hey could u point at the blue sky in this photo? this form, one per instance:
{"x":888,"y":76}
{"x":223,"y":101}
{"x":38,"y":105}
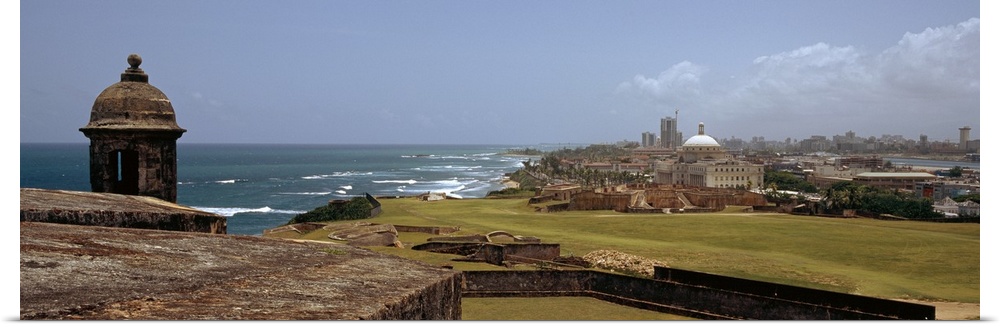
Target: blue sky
{"x":509,"y":72}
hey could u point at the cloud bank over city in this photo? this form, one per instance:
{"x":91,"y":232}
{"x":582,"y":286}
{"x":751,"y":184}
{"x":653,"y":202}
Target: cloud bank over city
{"x":261,"y":71}
{"x":926,"y":78}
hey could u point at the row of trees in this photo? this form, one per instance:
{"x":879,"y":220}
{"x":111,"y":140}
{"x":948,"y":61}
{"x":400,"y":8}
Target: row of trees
{"x":783,"y":180}
{"x":551,"y":166}
{"x":849,"y":195}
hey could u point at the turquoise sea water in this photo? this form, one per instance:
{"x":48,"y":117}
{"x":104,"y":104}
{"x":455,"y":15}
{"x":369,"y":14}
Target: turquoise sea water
{"x":263,"y":186}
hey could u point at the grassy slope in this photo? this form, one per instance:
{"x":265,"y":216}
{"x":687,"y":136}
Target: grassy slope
{"x":886,"y":259}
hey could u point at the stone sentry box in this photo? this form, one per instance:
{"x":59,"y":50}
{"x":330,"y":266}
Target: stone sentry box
{"x":133,"y":136}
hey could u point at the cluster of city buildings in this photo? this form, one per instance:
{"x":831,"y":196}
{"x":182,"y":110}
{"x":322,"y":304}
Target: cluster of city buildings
{"x":849,"y":143}
{"x":704,"y":161}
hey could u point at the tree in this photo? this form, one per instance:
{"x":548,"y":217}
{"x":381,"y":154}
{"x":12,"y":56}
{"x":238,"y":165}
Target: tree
{"x":955,"y":172}
{"x":356,"y":208}
{"x":787,"y":181}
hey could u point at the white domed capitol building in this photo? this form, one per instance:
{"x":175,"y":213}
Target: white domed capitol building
{"x":701,"y":161}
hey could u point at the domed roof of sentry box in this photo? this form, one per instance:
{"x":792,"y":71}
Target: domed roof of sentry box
{"x":132,"y":104}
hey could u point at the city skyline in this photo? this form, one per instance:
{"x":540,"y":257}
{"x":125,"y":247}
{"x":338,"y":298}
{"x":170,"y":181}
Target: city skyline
{"x":956,"y":138}
{"x":443,"y":72}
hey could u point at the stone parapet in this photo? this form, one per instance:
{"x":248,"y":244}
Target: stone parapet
{"x":71,"y":272}
{"x":115,"y":210}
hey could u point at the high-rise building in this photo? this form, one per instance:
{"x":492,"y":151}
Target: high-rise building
{"x":648,"y":139}
{"x":963,"y":137}
{"x":668,"y":132}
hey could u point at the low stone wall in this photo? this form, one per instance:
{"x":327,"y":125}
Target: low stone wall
{"x":436,"y":230}
{"x":588,"y":200}
{"x":698,"y":301}
{"x":663,"y":198}
{"x":449,"y":247}
{"x":541,"y":198}
{"x":441,"y":300}
{"x":300,"y":228}
{"x":496,"y":254}
{"x":557,"y":207}
{"x":115,"y":210}
{"x":464,"y":239}
{"x":523,"y":252}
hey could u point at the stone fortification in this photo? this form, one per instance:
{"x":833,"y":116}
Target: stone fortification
{"x":692,"y":300}
{"x":87,"y":272}
{"x":588,"y":200}
{"x":115,"y":210}
{"x":665,"y":197}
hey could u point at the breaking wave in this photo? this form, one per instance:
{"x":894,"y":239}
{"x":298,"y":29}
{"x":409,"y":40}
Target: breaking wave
{"x":338,"y":174}
{"x":409,"y":181}
{"x":305,"y":193}
{"x":229,"y":212}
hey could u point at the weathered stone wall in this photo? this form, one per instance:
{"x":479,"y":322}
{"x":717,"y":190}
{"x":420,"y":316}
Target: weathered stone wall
{"x":300,"y":228}
{"x":463,"y":238}
{"x":157,"y":163}
{"x":449,"y":247}
{"x":663,"y":198}
{"x":541,"y":198}
{"x":720,"y":199}
{"x":436,"y":230}
{"x":678,"y":298}
{"x":438,"y":301}
{"x":115,"y":210}
{"x":70,"y":272}
{"x":708,"y":200}
{"x":497,"y":254}
{"x":588,"y":200}
{"x":762,"y":291}
{"x":666,"y":197}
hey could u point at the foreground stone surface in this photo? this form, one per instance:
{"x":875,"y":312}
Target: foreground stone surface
{"x":87,"y":272}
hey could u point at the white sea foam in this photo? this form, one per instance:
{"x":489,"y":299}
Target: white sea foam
{"x":229,"y":212}
{"x":341,"y":192}
{"x":484,"y":154}
{"x":305,"y":193}
{"x":338,"y":174}
{"x":409,"y":181}
{"x":230,"y":181}
{"x":347,"y":187}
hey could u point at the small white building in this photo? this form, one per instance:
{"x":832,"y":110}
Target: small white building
{"x":968,"y":208}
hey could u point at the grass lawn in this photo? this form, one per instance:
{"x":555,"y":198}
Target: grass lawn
{"x":885,"y":259}
{"x":554,"y":308}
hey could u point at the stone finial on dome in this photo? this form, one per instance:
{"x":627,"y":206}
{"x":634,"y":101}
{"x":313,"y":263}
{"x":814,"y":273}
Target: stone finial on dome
{"x":134,"y":73}
{"x":701,"y":128}
{"x":134,"y":60}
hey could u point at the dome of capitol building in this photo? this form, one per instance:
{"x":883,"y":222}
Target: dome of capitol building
{"x":701,"y":139}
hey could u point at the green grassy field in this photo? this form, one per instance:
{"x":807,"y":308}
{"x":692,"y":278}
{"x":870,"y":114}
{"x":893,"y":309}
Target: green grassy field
{"x":886,"y":259}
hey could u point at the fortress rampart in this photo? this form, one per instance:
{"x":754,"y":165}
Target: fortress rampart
{"x":693,"y":294}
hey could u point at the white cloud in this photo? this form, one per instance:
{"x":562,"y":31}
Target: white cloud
{"x":936,"y":62}
{"x":681,"y":80}
{"x":924,"y":75}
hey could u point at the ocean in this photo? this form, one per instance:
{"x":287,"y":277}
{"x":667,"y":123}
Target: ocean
{"x":263,"y":186}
